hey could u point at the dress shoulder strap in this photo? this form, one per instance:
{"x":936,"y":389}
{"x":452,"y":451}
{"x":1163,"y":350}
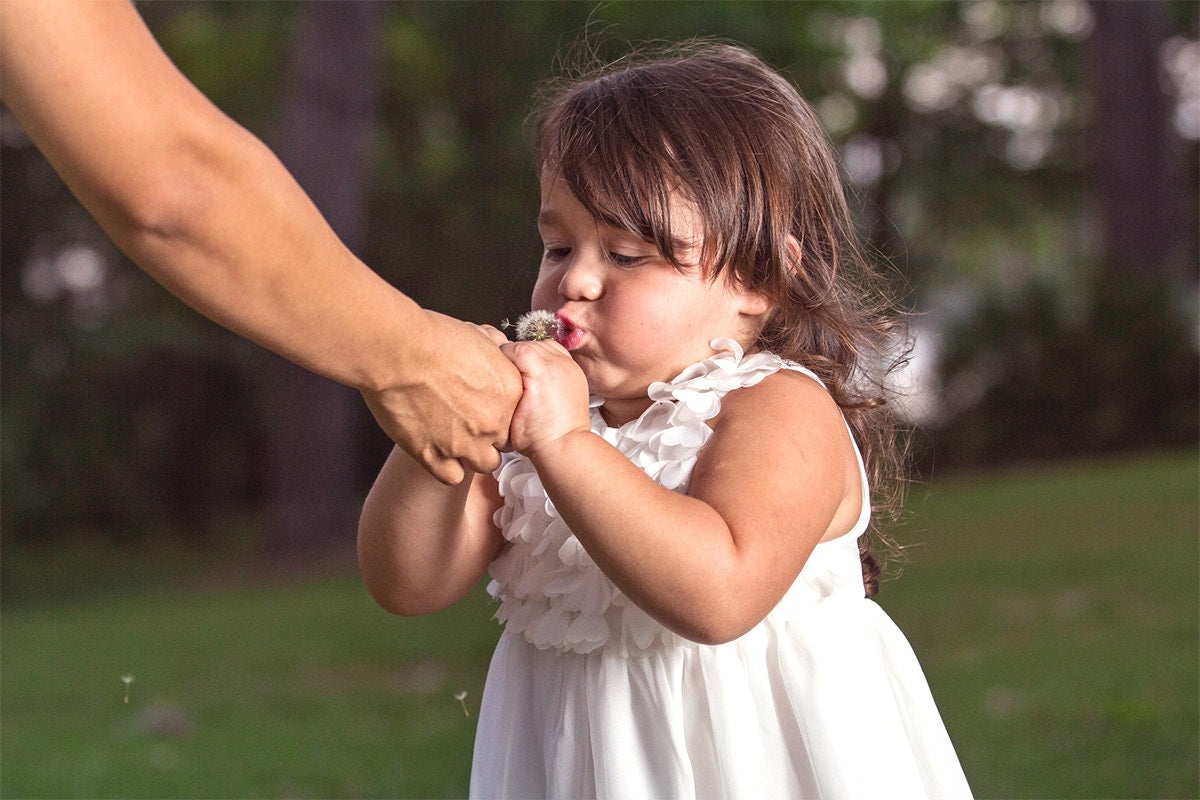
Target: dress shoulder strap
{"x":864,"y":516}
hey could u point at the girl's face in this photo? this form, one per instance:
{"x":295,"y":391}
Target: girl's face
{"x":629,"y":317}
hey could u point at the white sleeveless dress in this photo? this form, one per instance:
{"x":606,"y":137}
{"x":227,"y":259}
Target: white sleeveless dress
{"x":588,"y":696}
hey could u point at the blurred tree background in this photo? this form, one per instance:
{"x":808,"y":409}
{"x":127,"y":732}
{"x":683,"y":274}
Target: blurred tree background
{"x":1030,"y":170}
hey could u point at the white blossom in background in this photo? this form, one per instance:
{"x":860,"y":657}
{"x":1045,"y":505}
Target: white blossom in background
{"x":952,"y":73}
{"x":985,"y":19}
{"x":863,"y":69}
{"x":1180,"y":59}
{"x":866,"y":159}
{"x":916,"y":384}
{"x":1071,"y":19}
{"x":837,"y":112}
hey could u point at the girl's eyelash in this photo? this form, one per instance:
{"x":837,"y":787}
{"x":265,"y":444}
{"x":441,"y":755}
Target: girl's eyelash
{"x":620,"y":259}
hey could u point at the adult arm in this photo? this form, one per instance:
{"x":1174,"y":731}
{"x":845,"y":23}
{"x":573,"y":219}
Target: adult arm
{"x":207,"y":210}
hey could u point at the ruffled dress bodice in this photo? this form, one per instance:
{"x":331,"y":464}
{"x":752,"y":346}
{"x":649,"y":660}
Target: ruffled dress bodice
{"x":588,"y":696}
{"x":549,"y":588}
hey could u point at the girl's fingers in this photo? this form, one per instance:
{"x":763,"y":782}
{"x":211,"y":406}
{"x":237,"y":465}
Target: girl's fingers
{"x":529,"y":356}
{"x":496,"y":335}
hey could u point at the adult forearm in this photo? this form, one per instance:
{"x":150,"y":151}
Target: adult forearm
{"x":257,"y":257}
{"x":194,"y":199}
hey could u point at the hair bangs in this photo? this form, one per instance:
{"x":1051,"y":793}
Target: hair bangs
{"x":605,"y":142}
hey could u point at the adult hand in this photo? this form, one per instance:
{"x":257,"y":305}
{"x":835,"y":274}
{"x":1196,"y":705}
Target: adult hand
{"x":452,"y":410}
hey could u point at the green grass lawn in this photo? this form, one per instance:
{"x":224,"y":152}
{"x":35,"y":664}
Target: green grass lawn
{"x":1056,"y":612}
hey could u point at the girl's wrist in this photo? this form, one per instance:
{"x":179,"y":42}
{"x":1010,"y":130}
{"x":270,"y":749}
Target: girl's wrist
{"x":564,"y":448}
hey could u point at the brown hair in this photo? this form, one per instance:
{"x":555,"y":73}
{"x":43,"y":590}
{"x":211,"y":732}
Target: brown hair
{"x":713,"y":122}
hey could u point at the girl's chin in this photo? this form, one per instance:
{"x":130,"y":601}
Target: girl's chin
{"x":602,"y":382}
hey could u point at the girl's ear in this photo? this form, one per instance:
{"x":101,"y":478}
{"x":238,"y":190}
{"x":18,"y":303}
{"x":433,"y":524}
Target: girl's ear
{"x":755,"y":303}
{"x":756,"y":311}
{"x":793,"y":248}
{"x":758,"y":304}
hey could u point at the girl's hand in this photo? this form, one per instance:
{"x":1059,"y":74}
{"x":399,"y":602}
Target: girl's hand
{"x":555,"y":398}
{"x":491,"y":331}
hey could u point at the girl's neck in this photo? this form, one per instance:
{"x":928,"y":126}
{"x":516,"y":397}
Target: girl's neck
{"x":618,"y":412}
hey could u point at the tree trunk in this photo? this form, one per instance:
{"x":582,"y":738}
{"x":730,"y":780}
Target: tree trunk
{"x":1135,"y":170}
{"x":324,"y":135}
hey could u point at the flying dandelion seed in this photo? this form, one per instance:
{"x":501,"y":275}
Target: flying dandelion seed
{"x":461,"y":697}
{"x":127,"y":680}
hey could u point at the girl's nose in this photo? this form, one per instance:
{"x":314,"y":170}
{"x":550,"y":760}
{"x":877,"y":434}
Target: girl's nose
{"x":580,"y":280}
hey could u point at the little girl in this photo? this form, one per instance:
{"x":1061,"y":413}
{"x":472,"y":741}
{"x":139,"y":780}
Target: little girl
{"x":677,"y":542}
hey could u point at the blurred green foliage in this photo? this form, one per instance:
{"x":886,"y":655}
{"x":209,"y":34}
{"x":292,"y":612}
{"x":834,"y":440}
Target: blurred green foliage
{"x":1042,"y":373}
{"x":966,"y":133}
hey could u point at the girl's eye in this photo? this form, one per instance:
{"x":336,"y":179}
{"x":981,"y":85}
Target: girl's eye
{"x":557,"y":253}
{"x":622,"y":260}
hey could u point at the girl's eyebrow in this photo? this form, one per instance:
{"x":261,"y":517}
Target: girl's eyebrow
{"x":549,"y":218}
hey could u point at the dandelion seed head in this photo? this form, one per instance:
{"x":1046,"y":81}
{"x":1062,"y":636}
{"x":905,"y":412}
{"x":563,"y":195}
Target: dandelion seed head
{"x":535,"y":326}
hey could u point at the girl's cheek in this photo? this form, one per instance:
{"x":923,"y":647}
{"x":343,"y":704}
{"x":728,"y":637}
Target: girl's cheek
{"x":545,"y":294}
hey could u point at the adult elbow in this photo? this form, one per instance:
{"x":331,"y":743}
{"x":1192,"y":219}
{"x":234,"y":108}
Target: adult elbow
{"x":183,"y":189}
{"x":167,"y":211}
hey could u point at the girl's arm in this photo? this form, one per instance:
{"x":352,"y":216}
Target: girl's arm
{"x":208,"y":211}
{"x":422,"y":545}
{"x":778,"y":476}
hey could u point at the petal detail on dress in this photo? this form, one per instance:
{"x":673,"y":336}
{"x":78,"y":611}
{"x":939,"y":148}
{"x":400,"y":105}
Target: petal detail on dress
{"x":549,"y":587}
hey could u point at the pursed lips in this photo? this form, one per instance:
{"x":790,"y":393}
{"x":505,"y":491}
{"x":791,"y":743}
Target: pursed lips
{"x":569,"y":335}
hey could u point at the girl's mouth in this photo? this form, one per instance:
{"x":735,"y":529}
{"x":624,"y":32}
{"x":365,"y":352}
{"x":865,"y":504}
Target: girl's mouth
{"x":569,"y":336}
